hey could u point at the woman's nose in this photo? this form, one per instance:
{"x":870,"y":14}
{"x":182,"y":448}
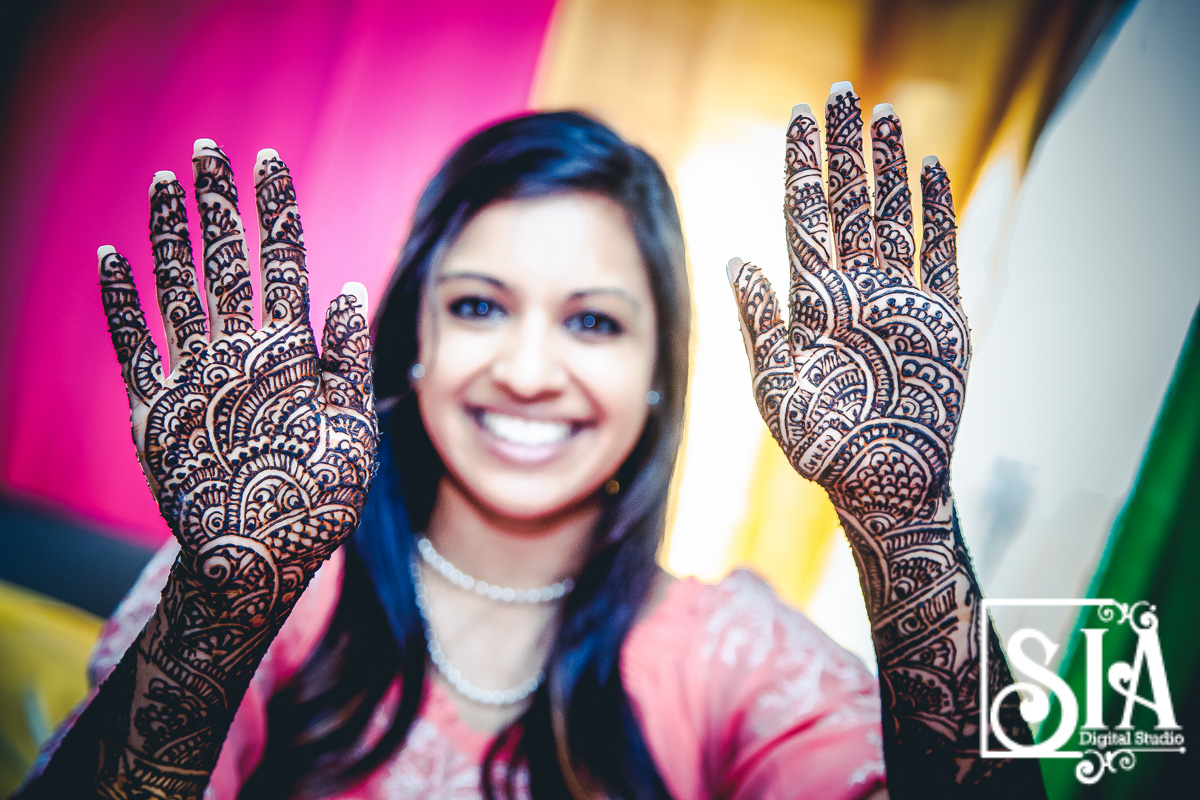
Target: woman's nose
{"x":528,"y":363}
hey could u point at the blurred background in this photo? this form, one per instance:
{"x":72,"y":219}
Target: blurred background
{"x":1067,"y":127}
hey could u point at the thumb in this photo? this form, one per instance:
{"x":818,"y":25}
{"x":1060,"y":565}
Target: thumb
{"x":346,"y":352}
{"x":771,"y":367}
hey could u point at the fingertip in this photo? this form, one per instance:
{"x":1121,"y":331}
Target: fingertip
{"x":163,"y":176}
{"x":929,"y":162}
{"x":882,"y":110}
{"x":268,"y":164}
{"x":840,"y":88}
{"x":734,"y":268}
{"x":359,"y":293}
{"x":801,"y":109}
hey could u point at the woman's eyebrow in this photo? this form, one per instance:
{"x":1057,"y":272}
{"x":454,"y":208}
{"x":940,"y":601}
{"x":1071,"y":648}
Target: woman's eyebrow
{"x":473,"y":276}
{"x":629,"y":298}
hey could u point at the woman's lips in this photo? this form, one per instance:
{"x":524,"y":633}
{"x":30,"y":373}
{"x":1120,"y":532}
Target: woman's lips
{"x":523,"y":440}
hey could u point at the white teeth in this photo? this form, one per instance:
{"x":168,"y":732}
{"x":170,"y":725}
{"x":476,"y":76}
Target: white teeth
{"x":525,"y":431}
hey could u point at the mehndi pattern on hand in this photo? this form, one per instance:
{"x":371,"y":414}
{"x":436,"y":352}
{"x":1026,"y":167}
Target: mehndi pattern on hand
{"x":260,"y":454}
{"x":863,"y":389}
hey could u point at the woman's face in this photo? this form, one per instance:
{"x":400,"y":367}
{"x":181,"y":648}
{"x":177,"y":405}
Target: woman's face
{"x":537,"y":338}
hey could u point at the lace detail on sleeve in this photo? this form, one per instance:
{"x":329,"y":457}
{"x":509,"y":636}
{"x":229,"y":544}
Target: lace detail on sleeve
{"x":794,"y":708}
{"x":430,"y":766}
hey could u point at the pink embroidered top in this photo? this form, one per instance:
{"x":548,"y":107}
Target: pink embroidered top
{"x":739,"y":697}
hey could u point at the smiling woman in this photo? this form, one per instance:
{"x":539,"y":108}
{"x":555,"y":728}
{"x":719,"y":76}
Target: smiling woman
{"x":530,"y":365}
{"x":537,"y":345}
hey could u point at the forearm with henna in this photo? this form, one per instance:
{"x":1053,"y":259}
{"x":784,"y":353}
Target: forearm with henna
{"x":177,"y":690}
{"x":157,"y":725}
{"x":863,"y":389}
{"x":927,"y":623}
{"x":260,"y":454}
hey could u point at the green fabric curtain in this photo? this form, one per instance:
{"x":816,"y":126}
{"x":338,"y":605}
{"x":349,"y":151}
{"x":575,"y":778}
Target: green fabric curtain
{"x":1153,"y":554}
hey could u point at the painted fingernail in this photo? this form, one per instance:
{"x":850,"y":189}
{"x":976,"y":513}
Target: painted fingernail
{"x":161,"y":177}
{"x":841,"y":87}
{"x":801,"y":108}
{"x":733,"y":268}
{"x":929,"y":161}
{"x":203,"y":144}
{"x":359,"y":293}
{"x":102,"y":252}
{"x":882,"y":110}
{"x":267,"y":154}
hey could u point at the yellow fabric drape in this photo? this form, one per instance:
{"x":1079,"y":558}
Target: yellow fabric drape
{"x":970,"y":80}
{"x":44,"y":647}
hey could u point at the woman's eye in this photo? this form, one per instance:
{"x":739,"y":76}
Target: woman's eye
{"x":591,"y":323}
{"x":475,"y":308}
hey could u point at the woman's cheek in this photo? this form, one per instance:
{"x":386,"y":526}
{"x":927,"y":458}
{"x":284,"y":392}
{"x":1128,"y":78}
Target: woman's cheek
{"x":617,"y":376}
{"x":460,"y":353}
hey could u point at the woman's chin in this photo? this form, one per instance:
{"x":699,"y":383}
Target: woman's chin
{"x":530,"y":501}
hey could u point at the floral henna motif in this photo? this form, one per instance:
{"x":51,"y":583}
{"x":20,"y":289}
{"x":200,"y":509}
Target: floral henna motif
{"x":226,"y":275}
{"x":893,"y":200}
{"x":285,"y":279}
{"x":939,"y":249}
{"x":863,"y":390}
{"x":174,"y":274}
{"x":260,"y":454}
{"x":141,"y":367}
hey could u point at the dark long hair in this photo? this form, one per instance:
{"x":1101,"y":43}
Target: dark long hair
{"x":579,"y":734}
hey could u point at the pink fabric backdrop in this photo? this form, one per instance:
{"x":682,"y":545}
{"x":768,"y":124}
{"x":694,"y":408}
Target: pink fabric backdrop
{"x":362,"y":99}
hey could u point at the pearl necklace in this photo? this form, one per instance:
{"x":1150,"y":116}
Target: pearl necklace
{"x":501,"y":594}
{"x":487,"y":697}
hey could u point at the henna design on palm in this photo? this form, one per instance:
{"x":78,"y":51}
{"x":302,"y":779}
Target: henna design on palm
{"x":259,"y":452}
{"x":863,"y":390}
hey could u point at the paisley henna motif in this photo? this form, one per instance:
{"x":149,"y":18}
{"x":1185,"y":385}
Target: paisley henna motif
{"x":260,"y":454}
{"x":863,"y":390}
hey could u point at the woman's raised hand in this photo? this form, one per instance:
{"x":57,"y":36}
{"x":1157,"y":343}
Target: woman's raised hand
{"x":259,"y":451}
{"x":863,"y":386}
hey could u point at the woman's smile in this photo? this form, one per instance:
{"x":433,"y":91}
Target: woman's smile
{"x":523,"y":440}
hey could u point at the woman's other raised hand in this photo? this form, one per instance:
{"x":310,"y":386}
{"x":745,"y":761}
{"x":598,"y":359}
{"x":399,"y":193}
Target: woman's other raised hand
{"x":258,"y":451}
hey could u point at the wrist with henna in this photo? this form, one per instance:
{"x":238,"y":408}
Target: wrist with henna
{"x":925,"y":609}
{"x":186,"y":673}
